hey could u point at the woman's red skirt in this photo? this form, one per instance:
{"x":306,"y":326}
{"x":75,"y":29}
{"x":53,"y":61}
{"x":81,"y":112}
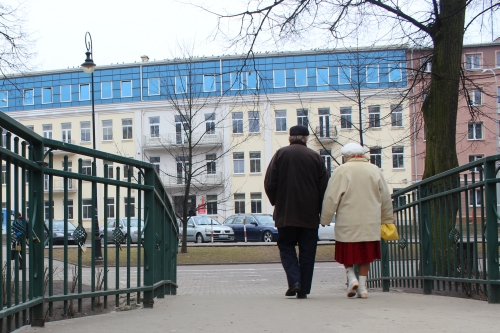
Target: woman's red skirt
{"x":357,"y":253}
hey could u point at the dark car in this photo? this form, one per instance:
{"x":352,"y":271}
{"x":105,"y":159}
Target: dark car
{"x":58,"y":231}
{"x":259,"y":227}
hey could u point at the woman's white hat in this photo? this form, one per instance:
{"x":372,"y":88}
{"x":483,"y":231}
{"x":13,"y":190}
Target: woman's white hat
{"x":352,"y":148}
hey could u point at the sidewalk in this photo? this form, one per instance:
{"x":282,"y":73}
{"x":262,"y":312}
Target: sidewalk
{"x":250,"y":298}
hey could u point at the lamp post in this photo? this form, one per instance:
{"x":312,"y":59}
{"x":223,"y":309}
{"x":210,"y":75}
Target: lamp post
{"x":88,"y":67}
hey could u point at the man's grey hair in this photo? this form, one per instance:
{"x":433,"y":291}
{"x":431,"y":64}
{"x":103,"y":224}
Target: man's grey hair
{"x":293,"y":138}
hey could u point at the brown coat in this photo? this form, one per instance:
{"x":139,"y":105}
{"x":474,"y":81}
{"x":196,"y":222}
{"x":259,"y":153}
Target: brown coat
{"x":295,"y":183}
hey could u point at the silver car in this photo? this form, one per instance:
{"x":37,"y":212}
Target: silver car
{"x":202,"y":228}
{"x":134,"y":224}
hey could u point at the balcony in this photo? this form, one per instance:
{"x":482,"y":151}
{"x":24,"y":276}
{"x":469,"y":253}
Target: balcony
{"x":326,"y":133}
{"x":58,"y":185}
{"x":171,"y":140}
{"x":199,"y":181}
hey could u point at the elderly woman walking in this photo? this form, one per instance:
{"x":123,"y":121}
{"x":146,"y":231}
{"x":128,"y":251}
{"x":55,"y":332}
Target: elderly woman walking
{"x":359,"y":195}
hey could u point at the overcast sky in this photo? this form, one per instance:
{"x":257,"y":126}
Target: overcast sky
{"x":123,"y":30}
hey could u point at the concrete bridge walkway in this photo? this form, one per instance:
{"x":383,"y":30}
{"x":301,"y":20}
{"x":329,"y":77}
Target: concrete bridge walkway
{"x":250,"y":298}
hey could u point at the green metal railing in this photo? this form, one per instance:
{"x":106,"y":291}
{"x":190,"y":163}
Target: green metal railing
{"x":448,"y":227}
{"x":37,"y":274}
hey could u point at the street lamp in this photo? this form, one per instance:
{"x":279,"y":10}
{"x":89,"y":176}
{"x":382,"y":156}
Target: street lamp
{"x":88,"y":67}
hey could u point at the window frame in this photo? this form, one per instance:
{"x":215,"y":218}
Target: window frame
{"x":110,"y":204}
{"x":238,"y":122}
{"x":157,"y":86}
{"x":211,"y":164}
{"x":105,"y":130}
{"x":473,"y":125}
{"x":471,"y":65}
{"x":61,"y":94}
{"x":368,"y":75}
{"x":6,"y":98}
{"x":473,"y":158}
{"x":255,"y":162}
{"x":233,"y":82}
{"x":473,"y":97}
{"x":295,"y":77}
{"x":85,"y":128}
{"x":254,"y":122}
{"x":129,"y":201}
{"x":128,"y":128}
{"x":398,"y":157}
{"x":214,"y":76}
{"x":110,"y":90}
{"x":393,"y":69}
{"x":80,"y":86}
{"x":375,"y":120}
{"x":154,"y":125}
{"x":256,"y":202}
{"x":87,"y":167}
{"x":32,"y":96}
{"x":239,"y":160}
{"x":257,"y":81}
{"x":48,"y":132}
{"x":66,"y":132}
{"x":341,"y":72}
{"x":346,"y":118}
{"x":178,"y":81}
{"x":376,"y":156}
{"x":239,"y":203}
{"x":44,"y":89}
{"x":122,"y":90}
{"x":211,"y":204}
{"x":275,"y":71}
{"x":210,"y":121}
{"x":303,"y":119}
{"x":397,"y":116}
{"x":276,"y":117}
{"x":327,"y":76}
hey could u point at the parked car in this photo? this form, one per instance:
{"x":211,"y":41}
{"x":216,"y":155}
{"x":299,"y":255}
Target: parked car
{"x":134,"y":229}
{"x":260,"y":227}
{"x":327,"y":232}
{"x":58,"y":231}
{"x":201,"y":228}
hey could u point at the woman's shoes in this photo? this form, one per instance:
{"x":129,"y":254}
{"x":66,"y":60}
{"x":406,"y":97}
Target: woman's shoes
{"x":362,"y":292}
{"x":352,"y":287}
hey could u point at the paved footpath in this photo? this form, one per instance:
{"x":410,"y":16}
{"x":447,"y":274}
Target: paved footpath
{"x":250,"y":298}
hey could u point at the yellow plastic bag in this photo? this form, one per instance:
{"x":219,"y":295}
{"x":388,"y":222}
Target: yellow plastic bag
{"x":389,"y":232}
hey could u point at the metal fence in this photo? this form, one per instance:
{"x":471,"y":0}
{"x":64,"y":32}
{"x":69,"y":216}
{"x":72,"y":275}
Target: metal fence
{"x":448,"y":227}
{"x":41,"y":280}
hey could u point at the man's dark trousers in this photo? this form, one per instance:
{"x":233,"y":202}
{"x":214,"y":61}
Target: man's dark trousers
{"x":298,"y":269}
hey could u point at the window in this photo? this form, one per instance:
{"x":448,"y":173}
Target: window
{"x":302,"y":117}
{"x":181,"y":129}
{"x":498,"y":59}
{"x":255,"y":162}
{"x":473,"y":158}
{"x":475,"y":131}
{"x":476,"y":199}
{"x":106,"y":90}
{"x":212,"y":204}
{"x":396,"y":115}
{"x":237,"y":122}
{"x":473,"y":61}
{"x":4,"y":99}
{"x":400,"y":200}
{"x":252,"y":80}
{"x":376,"y":156}
{"x":85,"y":131}
{"x":345,"y":117}
{"x":239,"y":203}
{"x":301,"y":77}
{"x":322,"y":76}
{"x":126,"y":87}
{"x":111,"y":207}
{"x":110,"y":169}
{"x":239,"y":163}
{"x":210,"y":123}
{"x":155,"y":160}
{"x":209,"y":82}
{"x":46,"y":95}
{"x":236,"y":81}
{"x":395,"y":73}
{"x":66,"y":93}
{"x":87,"y":208}
{"x":256,"y":202}
{"x":153,"y":86}
{"x":70,"y":208}
{"x":324,"y":122}
{"x":28,"y":97}
{"x":107,"y":130}
{"x":344,"y":75}
{"x":86,"y":167}
{"x":397,"y":157}
{"x":126,"y":169}
{"x":46,"y":182}
{"x":129,"y":205}
{"x":47,"y":131}
{"x":374,"y":116}
{"x":475,"y":97}
{"x":253,"y":121}
{"x":211,"y":165}
{"x":4,"y":137}
{"x":372,"y":74}
{"x":182,"y":168}
{"x":4,"y":174}
{"x":326,"y":156}
{"x":127,"y":129}
{"x":48,"y":209}
{"x":66,"y":132}
{"x":279,"y":77}
{"x":84,"y":92}
{"x":427,"y":64}
{"x":154,"y":127}
{"x":280,"y":116}
{"x":180,"y":84}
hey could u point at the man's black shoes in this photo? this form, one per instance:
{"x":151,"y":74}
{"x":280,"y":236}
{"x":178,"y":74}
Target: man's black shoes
{"x":293,"y":289}
{"x":301,"y":296}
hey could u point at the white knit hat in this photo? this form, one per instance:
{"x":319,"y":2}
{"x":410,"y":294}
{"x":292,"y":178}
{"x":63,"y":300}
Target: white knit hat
{"x":351,"y":149}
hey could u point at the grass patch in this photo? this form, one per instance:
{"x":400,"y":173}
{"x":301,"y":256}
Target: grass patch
{"x":200,"y":255}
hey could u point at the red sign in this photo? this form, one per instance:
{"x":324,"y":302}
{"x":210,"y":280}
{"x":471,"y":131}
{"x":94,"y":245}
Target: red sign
{"x":202,"y":209}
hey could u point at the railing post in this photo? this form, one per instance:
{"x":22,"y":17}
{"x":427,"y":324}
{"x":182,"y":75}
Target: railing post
{"x":491,"y":232}
{"x":426,"y":238}
{"x":386,"y":283}
{"x":36,"y":222}
{"x":149,"y":237}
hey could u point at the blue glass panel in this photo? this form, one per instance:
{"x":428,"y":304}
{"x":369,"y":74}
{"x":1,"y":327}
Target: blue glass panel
{"x":153,"y":86}
{"x":46,"y":95}
{"x":236,"y":82}
{"x":4,"y":102}
{"x":252,"y":80}
{"x":126,"y":88}
{"x":322,"y":79}
{"x":279,"y":78}
{"x":84,"y":92}
{"x":395,"y":72}
{"x":28,"y":97}
{"x":208,"y":82}
{"x":372,"y":74}
{"x":344,"y":75}
{"x":106,"y":90}
{"x":301,"y":77}
{"x":180,"y":84}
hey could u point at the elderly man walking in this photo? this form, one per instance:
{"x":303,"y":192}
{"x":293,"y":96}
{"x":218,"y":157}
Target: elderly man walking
{"x":295,"y":183}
